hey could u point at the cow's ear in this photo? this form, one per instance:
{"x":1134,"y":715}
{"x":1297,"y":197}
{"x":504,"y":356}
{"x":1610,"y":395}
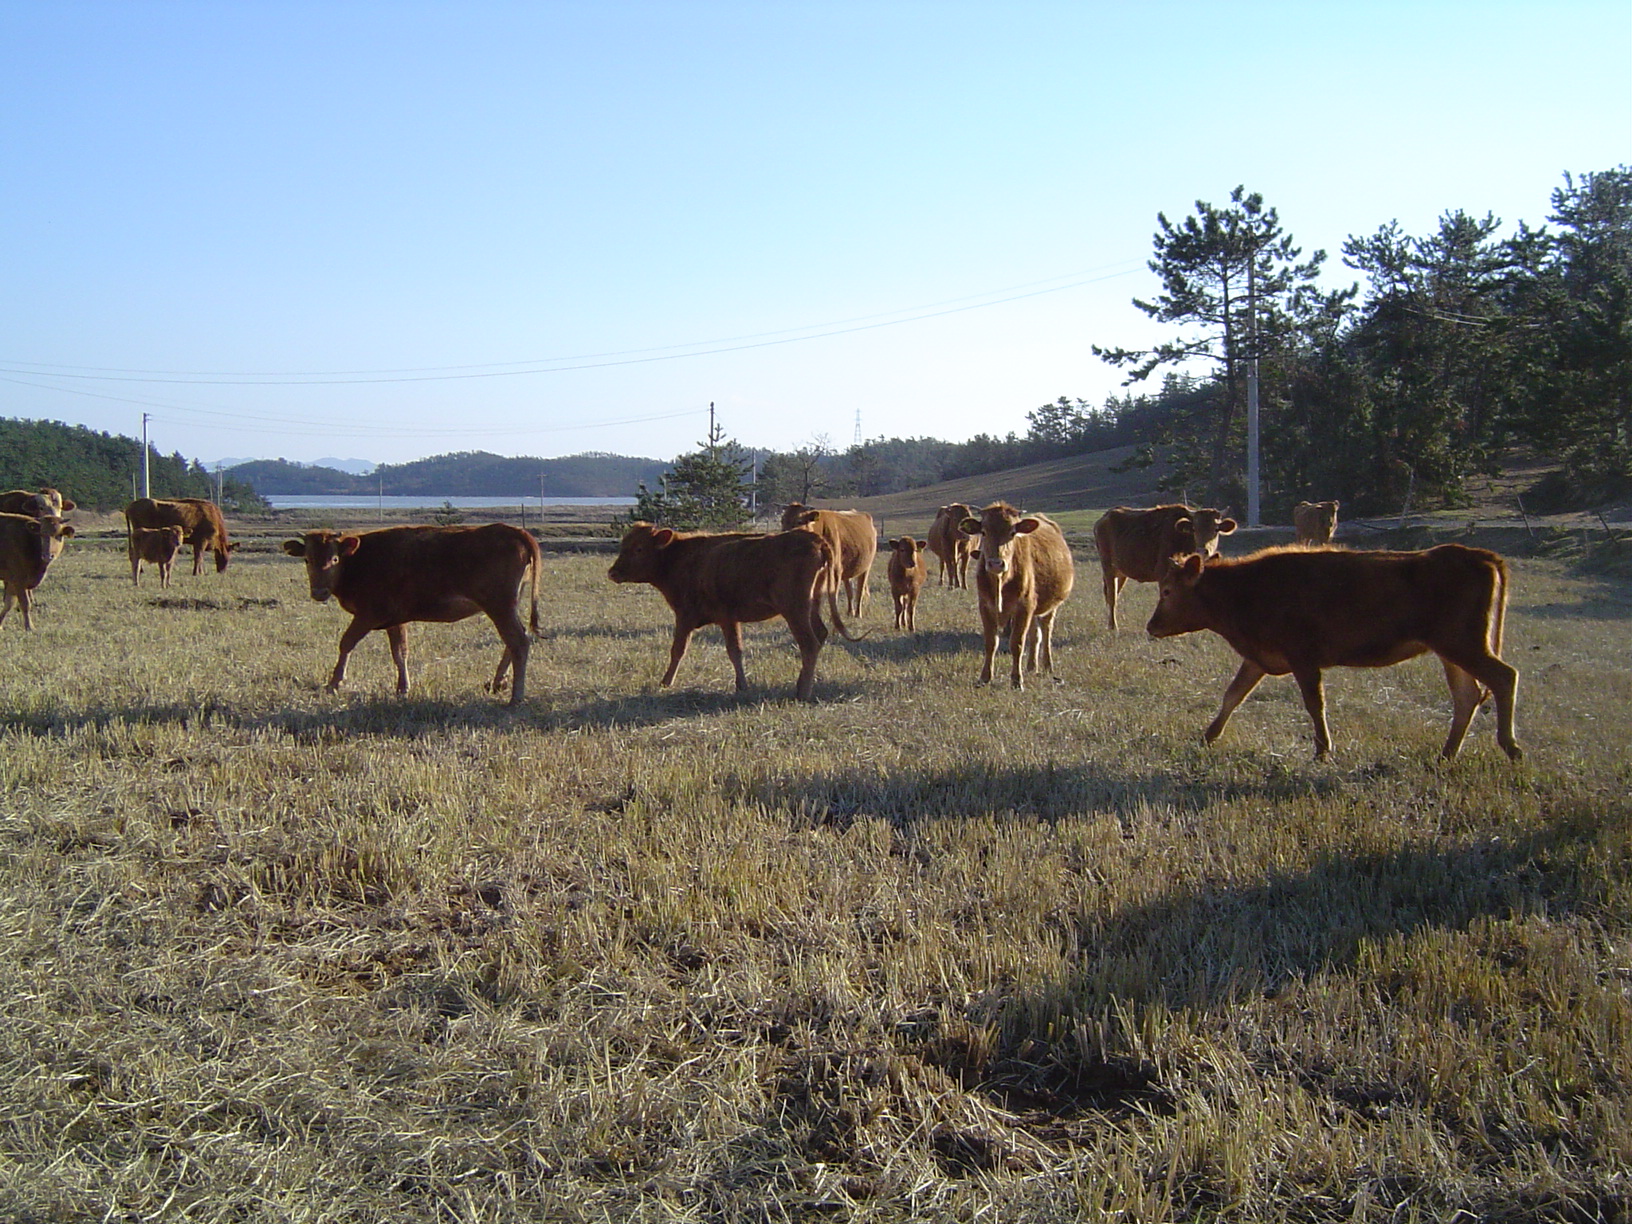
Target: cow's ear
{"x":1226,"y":526}
{"x":921,"y":543}
{"x":350,"y":544}
{"x":892,"y":543}
{"x":1336,"y":506}
{"x":663,"y":537}
{"x":295,"y":548}
{"x":64,"y":532}
{"x":68,"y":505}
{"x":1190,"y":568}
{"x":233,"y":547}
{"x":970,"y":526}
{"x":808,"y":516}
{"x":1027,"y":525}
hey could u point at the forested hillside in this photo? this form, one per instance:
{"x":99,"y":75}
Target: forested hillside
{"x":102,"y":471}
{"x":463,"y":474}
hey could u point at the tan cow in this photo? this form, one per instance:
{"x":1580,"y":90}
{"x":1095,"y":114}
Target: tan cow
{"x":395,"y":575}
{"x":1302,"y":610}
{"x":42,"y":503}
{"x":156,"y":544}
{"x":1025,"y":574}
{"x":1135,"y":543}
{"x":950,"y":545}
{"x":1315,"y":522}
{"x":200,"y":521}
{"x":907,"y":573}
{"x":732,"y":578}
{"x":28,"y":545}
{"x":854,"y":541}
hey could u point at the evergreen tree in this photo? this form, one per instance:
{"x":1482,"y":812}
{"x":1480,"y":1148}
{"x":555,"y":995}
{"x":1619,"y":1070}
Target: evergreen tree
{"x":706,"y":490}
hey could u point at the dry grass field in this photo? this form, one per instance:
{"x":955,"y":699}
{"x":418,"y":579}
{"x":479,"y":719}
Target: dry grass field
{"x":917,"y":951}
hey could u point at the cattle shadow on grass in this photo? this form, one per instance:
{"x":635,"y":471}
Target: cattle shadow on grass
{"x":656,"y":706}
{"x":1049,"y":792}
{"x":890,"y":645}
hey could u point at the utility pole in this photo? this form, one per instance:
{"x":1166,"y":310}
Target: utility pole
{"x":1252,"y":390}
{"x":711,"y":435}
{"x":147,"y":486}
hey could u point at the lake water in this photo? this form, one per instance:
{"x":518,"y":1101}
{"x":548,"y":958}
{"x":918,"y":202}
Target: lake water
{"x":336,"y":502}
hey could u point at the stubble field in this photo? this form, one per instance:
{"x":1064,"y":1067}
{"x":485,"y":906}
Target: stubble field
{"x":916,"y":951}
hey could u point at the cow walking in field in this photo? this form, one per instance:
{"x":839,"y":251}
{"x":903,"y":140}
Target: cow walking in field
{"x":852,"y":536}
{"x":732,"y":578}
{"x":1315,"y":522}
{"x":1303,"y":610}
{"x":28,"y":545}
{"x":1135,"y":543}
{"x":158,"y":545}
{"x":200,"y":521}
{"x":395,"y":575}
{"x":907,"y":573}
{"x":1025,"y":575}
{"x":951,"y":547}
{"x":42,"y":503}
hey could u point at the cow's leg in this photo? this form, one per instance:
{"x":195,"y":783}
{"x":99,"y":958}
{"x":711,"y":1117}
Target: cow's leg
{"x":1020,"y":628}
{"x":1045,"y":634}
{"x":164,"y":574}
{"x":1112,"y":582}
{"x":1246,"y":679}
{"x":683,"y":629}
{"x":731,"y":631}
{"x":1314,"y":700}
{"x":803,"y":628}
{"x":397,"y":635}
{"x":5,"y":609}
{"x":516,"y":648}
{"x":1503,"y":682}
{"x":989,"y":628}
{"x":198,"y":559}
{"x":1466,"y":697}
{"x":135,"y":565}
{"x":912,"y":613}
{"x":355,"y":632}
{"x":25,"y":601}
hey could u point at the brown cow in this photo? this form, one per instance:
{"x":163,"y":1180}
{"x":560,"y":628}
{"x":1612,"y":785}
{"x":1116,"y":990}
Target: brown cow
{"x":43,"y":503}
{"x":389,"y":577}
{"x":200,"y":521}
{"x":1135,"y":543}
{"x":731,"y":578}
{"x":28,"y":545}
{"x":950,"y":545}
{"x":1025,"y":574}
{"x":156,"y":544}
{"x":854,"y":541}
{"x":1315,"y":522}
{"x":1303,"y":610}
{"x":907,"y":575}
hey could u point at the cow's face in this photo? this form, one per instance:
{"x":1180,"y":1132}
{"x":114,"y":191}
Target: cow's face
{"x":324,"y":552}
{"x":158,"y":544}
{"x":1206,"y":526}
{"x":998,"y":526}
{"x":640,"y":554}
{"x":906,"y":550}
{"x":47,"y":535}
{"x":796,"y":515}
{"x":1178,"y":610}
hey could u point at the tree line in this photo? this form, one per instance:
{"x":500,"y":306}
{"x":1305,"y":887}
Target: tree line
{"x":101,"y":471}
{"x":460,"y":474}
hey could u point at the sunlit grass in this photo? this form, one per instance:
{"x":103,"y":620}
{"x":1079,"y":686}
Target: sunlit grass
{"x":918,"y":951}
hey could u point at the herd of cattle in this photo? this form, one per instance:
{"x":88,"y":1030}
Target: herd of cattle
{"x":1294,"y":610}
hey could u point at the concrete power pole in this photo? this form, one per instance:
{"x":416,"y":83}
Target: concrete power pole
{"x":1252,"y":392}
{"x":147,"y":487}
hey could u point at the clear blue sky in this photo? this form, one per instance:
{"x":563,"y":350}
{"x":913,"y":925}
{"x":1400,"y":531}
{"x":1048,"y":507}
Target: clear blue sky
{"x":389,"y":230}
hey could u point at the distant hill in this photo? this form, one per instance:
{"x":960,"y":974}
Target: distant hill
{"x":464,"y":474}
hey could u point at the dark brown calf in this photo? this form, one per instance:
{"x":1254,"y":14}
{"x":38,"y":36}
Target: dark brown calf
{"x":732,"y":578}
{"x":1315,"y":522}
{"x":1135,"y":543}
{"x":1300,"y":611}
{"x":156,"y":544}
{"x":907,"y":573}
{"x":390,"y":577}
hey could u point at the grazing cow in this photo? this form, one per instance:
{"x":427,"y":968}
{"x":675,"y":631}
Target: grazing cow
{"x":156,"y":544}
{"x":389,"y":577}
{"x":950,"y":545}
{"x":854,"y":541}
{"x":730,"y":578}
{"x":907,"y":574}
{"x":1315,"y":522}
{"x":43,"y":503}
{"x":28,"y":545}
{"x":200,"y":521}
{"x":1025,"y":574}
{"x":1303,"y":610}
{"x":1135,"y":543}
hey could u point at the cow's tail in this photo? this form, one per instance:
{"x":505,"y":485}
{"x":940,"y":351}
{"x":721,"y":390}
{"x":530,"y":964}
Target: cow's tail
{"x":1498,"y":602}
{"x":829,"y":582}
{"x":535,"y":563}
